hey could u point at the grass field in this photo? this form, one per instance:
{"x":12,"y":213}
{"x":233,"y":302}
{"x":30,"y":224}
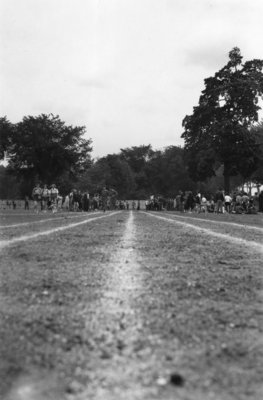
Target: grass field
{"x":131,"y":305}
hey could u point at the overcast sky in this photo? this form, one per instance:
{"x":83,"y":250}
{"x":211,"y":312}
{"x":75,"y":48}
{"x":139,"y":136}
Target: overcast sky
{"x":129,"y":70}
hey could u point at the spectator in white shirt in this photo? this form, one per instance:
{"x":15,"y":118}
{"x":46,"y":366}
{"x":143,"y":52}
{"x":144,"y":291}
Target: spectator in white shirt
{"x":228,"y":201}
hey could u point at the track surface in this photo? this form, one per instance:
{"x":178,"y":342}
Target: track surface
{"x":110,"y":306}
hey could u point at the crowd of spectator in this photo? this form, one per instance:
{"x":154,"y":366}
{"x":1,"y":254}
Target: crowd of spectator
{"x":46,"y":199}
{"x":237,"y":202}
{"x":49,"y":199}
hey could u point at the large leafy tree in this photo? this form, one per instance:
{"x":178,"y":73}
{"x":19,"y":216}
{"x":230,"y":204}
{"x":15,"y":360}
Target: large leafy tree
{"x":138,"y":157}
{"x":167,"y":172}
{"x":257,"y":176}
{"x":218,"y":131}
{"x":44,"y":148}
{"x":111,"y":171}
{"x":6,"y":131}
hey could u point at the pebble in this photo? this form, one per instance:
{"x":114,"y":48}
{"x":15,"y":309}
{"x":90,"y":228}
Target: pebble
{"x":105,"y":355}
{"x":161,"y":381}
{"x":177,"y":379}
{"x":74,"y":387}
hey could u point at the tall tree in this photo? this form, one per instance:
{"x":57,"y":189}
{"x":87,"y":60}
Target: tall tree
{"x":257,"y":176}
{"x":138,"y":158}
{"x":6,"y":130}
{"x":167,"y":172}
{"x":45,"y":148}
{"x":112,"y":171}
{"x":218,"y":130}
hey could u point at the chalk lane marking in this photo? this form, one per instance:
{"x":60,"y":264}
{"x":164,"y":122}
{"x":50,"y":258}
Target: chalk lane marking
{"x":257,"y":246}
{"x":43,"y":220}
{"x":123,"y":266}
{"x":257,"y":228}
{"x":5,"y":243}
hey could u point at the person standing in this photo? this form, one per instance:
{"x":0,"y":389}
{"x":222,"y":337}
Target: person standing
{"x":26,"y":203}
{"x":66,"y":203}
{"x":190,"y":202}
{"x":113,"y":197}
{"x":228,"y":201}
{"x":104,"y":198}
{"x":45,"y":197}
{"x":53,"y":197}
{"x":86,"y":201}
{"x":219,"y":199}
{"x":37,"y":197}
{"x":75,"y":200}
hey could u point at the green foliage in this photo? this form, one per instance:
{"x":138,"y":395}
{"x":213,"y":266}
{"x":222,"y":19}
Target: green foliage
{"x":138,"y":172}
{"x":257,"y":175}
{"x":6,"y":131}
{"x":9,"y":187}
{"x":111,"y":171}
{"x":138,"y":158}
{"x":218,"y":130}
{"x":44,"y":148}
{"x":167,"y":173}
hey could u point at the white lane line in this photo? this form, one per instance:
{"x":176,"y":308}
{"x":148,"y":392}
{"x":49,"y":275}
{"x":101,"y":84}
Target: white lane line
{"x":125,"y":275}
{"x":257,"y":246}
{"x":4,"y":243}
{"x":244,"y":226}
{"x":34,"y":214}
{"x":43,"y":220}
{"x":14,"y":214}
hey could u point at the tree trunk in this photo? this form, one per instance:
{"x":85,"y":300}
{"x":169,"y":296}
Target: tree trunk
{"x":226,"y":182}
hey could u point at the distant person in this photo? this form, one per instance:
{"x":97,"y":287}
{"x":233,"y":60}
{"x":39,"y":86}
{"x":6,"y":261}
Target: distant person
{"x":45,"y":197}
{"x":86,"y":201}
{"x":26,"y":203}
{"x":113,"y":198}
{"x":66,"y":203}
{"x":219,"y":200}
{"x":37,"y":197}
{"x":104,"y":198}
{"x":59,"y":202}
{"x":54,"y":197}
{"x":190,"y":202}
{"x":203,"y":204}
{"x":75,"y":200}
{"x":228,"y":201}
{"x":245,"y":201}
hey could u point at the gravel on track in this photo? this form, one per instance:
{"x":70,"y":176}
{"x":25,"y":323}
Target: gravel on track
{"x":131,"y":307}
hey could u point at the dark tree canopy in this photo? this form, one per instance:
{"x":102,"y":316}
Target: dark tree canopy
{"x":6,"y":130}
{"x":111,"y":171}
{"x":257,"y":175}
{"x":218,"y":130}
{"x":167,"y":173}
{"x":44,"y":148}
{"x":138,"y":158}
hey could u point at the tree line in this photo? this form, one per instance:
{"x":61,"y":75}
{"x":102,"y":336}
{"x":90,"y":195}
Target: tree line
{"x":223,"y":146}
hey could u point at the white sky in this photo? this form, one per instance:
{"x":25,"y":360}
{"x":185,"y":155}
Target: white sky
{"x":129,"y":70}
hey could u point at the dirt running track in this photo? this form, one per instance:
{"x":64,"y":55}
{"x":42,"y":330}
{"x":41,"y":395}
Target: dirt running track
{"x":131,"y":305}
